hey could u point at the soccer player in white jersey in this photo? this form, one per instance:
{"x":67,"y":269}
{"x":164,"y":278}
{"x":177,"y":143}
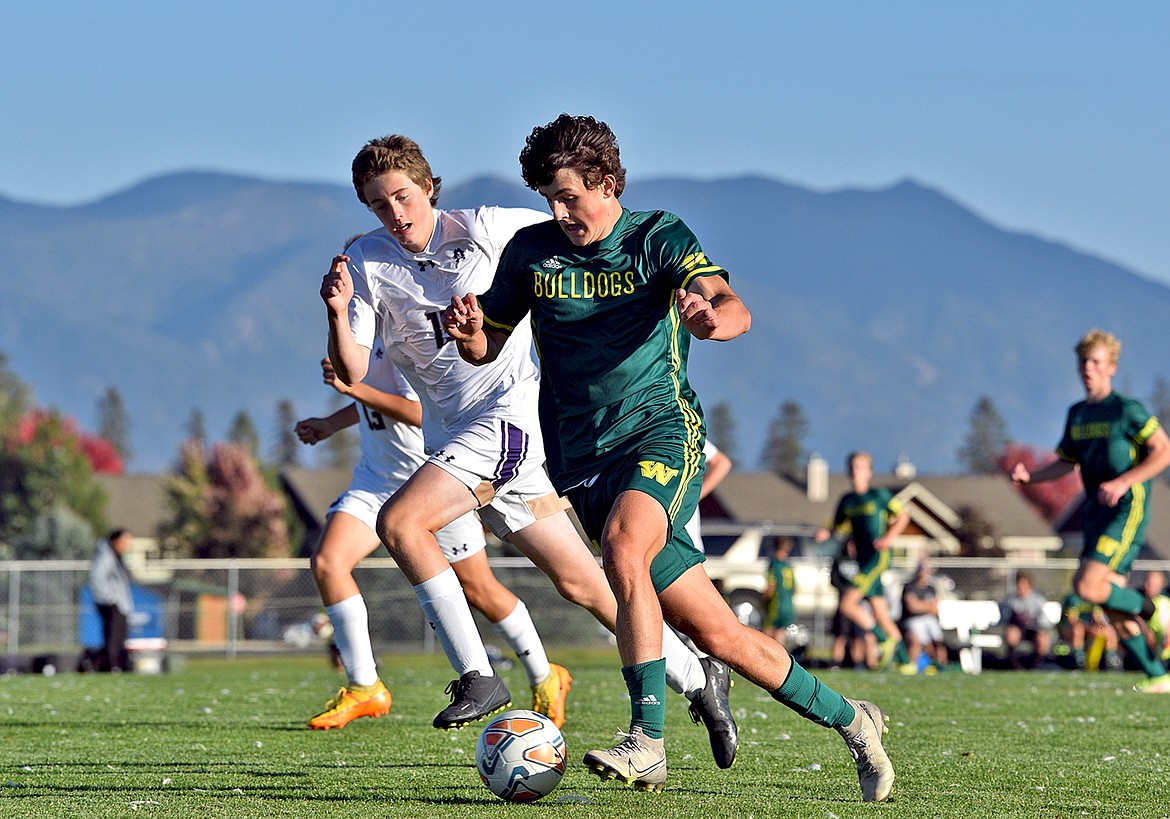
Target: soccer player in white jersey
{"x":391,"y":449}
{"x":479,"y":424}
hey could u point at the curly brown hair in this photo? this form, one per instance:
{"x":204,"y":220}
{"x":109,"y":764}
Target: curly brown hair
{"x":582,"y":144}
{"x":393,"y":152}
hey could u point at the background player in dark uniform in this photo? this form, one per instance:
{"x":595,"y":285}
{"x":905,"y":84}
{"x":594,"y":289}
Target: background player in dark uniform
{"x":872,"y":517}
{"x":614,"y":297}
{"x":1119,"y":447}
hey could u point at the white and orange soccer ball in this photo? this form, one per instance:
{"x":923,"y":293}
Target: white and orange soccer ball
{"x":520,"y":756}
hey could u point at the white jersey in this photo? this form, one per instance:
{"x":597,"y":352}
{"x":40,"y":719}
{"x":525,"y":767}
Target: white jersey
{"x":409,"y":292}
{"x":391,"y":450}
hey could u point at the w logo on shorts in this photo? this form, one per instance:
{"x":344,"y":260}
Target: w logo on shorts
{"x":657,"y":472}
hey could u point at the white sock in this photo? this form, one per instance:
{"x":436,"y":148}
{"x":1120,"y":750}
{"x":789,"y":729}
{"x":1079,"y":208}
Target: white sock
{"x":447,"y":611}
{"x":689,"y":643}
{"x":684,"y":674}
{"x":520,"y":633}
{"x":351,"y":635}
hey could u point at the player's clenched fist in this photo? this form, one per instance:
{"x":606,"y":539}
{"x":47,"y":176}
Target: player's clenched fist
{"x":337,"y":286}
{"x":697,"y":314}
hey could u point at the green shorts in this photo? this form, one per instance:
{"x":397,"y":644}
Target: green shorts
{"x":670,"y":472}
{"x":1114,"y":534}
{"x":780,"y":615}
{"x":868,"y":579}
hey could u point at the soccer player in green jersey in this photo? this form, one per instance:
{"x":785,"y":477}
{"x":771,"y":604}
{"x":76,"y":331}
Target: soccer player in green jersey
{"x":779,"y":589}
{"x":613,"y":297}
{"x":873,"y":517}
{"x":1120,"y":447}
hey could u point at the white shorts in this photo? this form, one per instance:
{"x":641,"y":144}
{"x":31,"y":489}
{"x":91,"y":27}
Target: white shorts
{"x":924,"y":627}
{"x":458,"y":540}
{"x":503,"y":466}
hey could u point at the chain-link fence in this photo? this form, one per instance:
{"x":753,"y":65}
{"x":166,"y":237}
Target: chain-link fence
{"x":247,"y":606}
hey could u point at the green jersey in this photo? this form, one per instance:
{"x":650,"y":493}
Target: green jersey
{"x":1106,"y":439}
{"x":613,"y":351}
{"x":865,"y":517}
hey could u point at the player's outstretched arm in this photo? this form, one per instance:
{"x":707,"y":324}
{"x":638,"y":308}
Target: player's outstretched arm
{"x":388,"y":404}
{"x":709,"y":309}
{"x":314,"y":430}
{"x":1057,"y":469}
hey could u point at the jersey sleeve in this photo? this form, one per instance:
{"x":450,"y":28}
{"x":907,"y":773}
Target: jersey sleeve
{"x":841,"y":525}
{"x":499,"y":225}
{"x":1140,"y":424}
{"x":362,"y":315}
{"x":506,"y":302}
{"x":680,"y":255}
{"x":893,"y":505}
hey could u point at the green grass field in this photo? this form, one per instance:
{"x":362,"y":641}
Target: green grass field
{"x":227,"y":738}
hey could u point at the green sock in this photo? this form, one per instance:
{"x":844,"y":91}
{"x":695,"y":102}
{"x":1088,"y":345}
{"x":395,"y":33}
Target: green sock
{"x":812,"y":699}
{"x":1150,"y":664}
{"x":901,"y":655}
{"x":646,"y":683}
{"x":880,"y":633}
{"x":1126,"y":600}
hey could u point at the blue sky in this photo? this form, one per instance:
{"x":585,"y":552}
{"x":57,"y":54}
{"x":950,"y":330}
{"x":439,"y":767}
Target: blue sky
{"x":1049,"y":117}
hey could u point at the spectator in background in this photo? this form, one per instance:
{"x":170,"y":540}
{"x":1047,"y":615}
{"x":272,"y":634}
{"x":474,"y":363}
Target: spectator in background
{"x":1023,"y":615}
{"x":1154,"y":588}
{"x":920,"y":626}
{"x":778,"y":592}
{"x":109,"y":584}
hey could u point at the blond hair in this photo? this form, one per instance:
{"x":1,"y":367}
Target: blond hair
{"x":1097,"y":337}
{"x":393,"y":153}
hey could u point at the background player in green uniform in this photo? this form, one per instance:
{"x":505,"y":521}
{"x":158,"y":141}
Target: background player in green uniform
{"x":1119,"y":447}
{"x":614,"y":297}
{"x":778,"y":592}
{"x":873,"y":518}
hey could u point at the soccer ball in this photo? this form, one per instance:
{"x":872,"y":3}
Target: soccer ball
{"x":520,"y":756}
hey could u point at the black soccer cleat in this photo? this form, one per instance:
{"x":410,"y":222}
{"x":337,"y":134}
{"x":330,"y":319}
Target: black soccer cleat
{"x":473,"y":697}
{"x":711,"y":705}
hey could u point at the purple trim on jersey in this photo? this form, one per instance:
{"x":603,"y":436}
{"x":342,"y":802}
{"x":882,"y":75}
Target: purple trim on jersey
{"x":513,"y":451}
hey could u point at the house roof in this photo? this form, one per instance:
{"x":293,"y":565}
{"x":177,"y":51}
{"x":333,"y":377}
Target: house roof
{"x":934,"y":502}
{"x":135,"y":502}
{"x":313,"y":490}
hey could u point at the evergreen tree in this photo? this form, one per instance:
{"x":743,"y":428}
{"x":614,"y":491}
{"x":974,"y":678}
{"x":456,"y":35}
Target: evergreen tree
{"x":244,"y":433}
{"x":1160,"y":401}
{"x":114,"y":423}
{"x":287,"y":450}
{"x":721,"y":428}
{"x":987,"y":438}
{"x":197,"y":427}
{"x":784,"y":451}
{"x":14,"y":396}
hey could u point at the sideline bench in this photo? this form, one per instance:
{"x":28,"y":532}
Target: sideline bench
{"x":975,"y":625}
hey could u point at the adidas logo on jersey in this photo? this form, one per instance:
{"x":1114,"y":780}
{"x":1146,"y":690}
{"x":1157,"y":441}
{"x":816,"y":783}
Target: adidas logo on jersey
{"x":649,"y":699}
{"x":552,"y":264}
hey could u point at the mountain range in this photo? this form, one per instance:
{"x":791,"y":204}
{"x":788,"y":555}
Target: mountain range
{"x":884,"y":313}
